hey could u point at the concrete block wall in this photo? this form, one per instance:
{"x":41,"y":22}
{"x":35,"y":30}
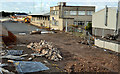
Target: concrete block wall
{"x":107,"y":45}
{"x":102,"y":32}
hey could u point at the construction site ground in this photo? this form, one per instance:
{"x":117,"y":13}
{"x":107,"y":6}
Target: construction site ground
{"x":76,"y":57}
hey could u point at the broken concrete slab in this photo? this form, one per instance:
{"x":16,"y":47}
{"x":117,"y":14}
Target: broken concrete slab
{"x":3,"y":65}
{"x":14,"y":52}
{"x":6,"y":71}
{"x":29,"y":67}
{"x":35,"y":32}
{"x":36,"y":54}
{"x":12,"y":57}
{"x":24,"y":55}
{"x":22,"y":33}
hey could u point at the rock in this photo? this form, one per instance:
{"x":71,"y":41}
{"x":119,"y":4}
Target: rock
{"x":52,"y":57}
{"x":59,"y":56}
{"x":24,"y":55}
{"x":44,"y":51}
{"x":12,"y":57}
{"x":28,"y":46}
{"x":11,"y":61}
{"x":30,"y":59}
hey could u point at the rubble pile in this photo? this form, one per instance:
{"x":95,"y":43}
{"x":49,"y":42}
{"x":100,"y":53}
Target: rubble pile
{"x":46,"y":49}
{"x":83,"y":41}
{"x":86,"y":41}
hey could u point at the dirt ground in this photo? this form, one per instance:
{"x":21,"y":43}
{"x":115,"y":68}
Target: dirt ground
{"x":76,"y":57}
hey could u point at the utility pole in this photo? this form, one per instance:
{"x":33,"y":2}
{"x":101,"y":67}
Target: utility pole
{"x":66,"y":25}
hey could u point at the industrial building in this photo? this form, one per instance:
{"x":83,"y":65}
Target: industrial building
{"x":62,"y":15}
{"x":106,"y":21}
{"x":40,"y":19}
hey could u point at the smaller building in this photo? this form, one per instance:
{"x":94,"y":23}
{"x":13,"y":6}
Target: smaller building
{"x":105,"y":23}
{"x":40,"y":19}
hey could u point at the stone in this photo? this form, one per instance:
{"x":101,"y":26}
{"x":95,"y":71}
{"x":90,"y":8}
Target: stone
{"x":30,"y":59}
{"x":59,"y":56}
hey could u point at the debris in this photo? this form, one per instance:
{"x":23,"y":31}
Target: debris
{"x":104,"y":50}
{"x":22,"y":33}
{"x":14,"y":52}
{"x":1,"y":71}
{"x":47,"y":32}
{"x":46,"y":62}
{"x":35,"y":32}
{"x":2,"y":53}
{"x":30,"y":59}
{"x":24,"y":55}
{"x":11,"y":61}
{"x":2,"y":65}
{"x":6,"y":71}
{"x":36,"y":54}
{"x":28,"y":66}
{"x":12,"y":57}
{"x":21,"y":45}
{"x":45,"y":49}
{"x":111,"y":37}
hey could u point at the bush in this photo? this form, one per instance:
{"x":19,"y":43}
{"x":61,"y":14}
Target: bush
{"x":89,"y":26}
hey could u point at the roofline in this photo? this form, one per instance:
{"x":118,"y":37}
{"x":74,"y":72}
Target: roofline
{"x":103,"y":9}
{"x":74,"y":6}
{"x":39,"y":15}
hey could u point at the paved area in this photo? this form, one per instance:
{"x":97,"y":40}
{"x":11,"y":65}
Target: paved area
{"x":19,"y":27}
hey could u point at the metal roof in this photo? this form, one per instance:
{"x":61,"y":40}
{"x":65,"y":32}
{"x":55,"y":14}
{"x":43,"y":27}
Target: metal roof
{"x":38,"y":14}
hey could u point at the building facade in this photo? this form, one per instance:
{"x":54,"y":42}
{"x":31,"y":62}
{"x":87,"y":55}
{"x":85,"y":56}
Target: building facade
{"x":40,"y":20}
{"x":71,"y":15}
{"x":106,"y":21}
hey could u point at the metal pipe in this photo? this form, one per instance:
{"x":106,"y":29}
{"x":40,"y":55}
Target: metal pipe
{"x":106,"y":15}
{"x":66,"y":25}
{"x":117,"y":15}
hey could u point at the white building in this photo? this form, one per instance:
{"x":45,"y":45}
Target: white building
{"x":106,"y":21}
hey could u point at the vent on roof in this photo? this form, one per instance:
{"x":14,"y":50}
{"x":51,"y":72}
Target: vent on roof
{"x":62,"y":4}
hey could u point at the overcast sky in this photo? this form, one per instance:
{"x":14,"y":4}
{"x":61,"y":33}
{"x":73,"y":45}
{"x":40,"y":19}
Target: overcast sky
{"x":35,"y":6}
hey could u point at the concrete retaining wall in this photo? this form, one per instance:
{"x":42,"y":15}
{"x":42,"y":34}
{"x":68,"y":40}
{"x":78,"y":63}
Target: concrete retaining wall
{"x":107,"y":45}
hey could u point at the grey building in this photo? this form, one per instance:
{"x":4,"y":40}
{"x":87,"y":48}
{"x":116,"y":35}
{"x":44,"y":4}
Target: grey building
{"x":72,"y":15}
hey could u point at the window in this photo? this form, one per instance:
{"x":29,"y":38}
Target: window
{"x":81,"y":12}
{"x":52,"y":18}
{"x":33,"y":19}
{"x":73,"y":12}
{"x":55,"y":23}
{"x":48,"y":18}
{"x":43,"y":18}
{"x":81,"y":22}
{"x":66,"y":12}
{"x":75,"y":23}
{"x":37,"y":18}
{"x":90,"y":12}
{"x":54,"y":12}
